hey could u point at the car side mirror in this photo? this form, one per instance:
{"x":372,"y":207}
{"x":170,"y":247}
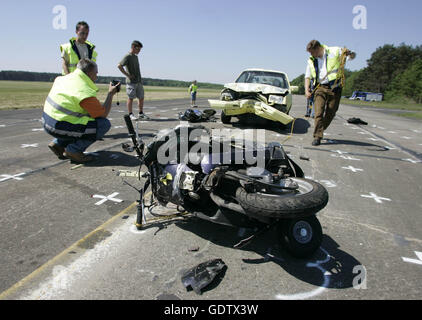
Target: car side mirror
{"x":294,"y":89}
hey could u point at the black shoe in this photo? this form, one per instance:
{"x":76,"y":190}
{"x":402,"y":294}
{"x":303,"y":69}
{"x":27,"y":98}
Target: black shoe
{"x":316,"y":142}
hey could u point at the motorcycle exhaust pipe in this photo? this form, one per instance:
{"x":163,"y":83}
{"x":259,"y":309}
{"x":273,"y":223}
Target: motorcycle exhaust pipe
{"x":221,"y":203}
{"x":235,"y":207}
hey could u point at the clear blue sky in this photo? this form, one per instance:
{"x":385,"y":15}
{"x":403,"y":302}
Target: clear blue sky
{"x":211,"y":41}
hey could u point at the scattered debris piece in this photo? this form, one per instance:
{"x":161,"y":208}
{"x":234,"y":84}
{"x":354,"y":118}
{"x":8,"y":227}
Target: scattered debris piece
{"x":202,"y":275}
{"x":356,"y":121}
{"x":304,"y":158}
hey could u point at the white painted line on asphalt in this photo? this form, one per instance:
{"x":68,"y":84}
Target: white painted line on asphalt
{"x":2,"y":125}
{"x":412,"y":161}
{"x":118,"y":127}
{"x":339,"y":151}
{"x":377,"y":199}
{"x":391,"y":131}
{"x":419,"y":261}
{"x":37,"y":129}
{"x":407,"y":138}
{"x":106,"y":198}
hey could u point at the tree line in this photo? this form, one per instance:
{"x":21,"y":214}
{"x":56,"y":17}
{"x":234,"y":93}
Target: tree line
{"x":395,"y":71}
{"x":49,"y":77}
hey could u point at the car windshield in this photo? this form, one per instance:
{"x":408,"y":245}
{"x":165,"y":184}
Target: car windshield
{"x":264,"y":77}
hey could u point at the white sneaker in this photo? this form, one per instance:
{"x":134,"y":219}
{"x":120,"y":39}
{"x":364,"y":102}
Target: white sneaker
{"x":144,"y":116}
{"x":132,"y":117}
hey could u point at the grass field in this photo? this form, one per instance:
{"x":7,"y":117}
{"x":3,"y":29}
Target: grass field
{"x":417,"y":108}
{"x":27,"y":94}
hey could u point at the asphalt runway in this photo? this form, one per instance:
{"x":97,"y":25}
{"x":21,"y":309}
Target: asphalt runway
{"x":67,"y":231}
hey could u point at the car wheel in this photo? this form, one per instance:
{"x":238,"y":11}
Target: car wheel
{"x":225,"y":119}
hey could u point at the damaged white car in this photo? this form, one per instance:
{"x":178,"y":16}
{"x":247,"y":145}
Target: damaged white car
{"x":257,"y":93}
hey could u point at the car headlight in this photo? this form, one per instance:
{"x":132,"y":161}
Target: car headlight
{"x":275,"y":99}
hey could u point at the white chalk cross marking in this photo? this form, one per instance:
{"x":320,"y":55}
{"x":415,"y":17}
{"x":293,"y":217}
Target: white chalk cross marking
{"x":352,"y":169}
{"x":34,"y":145}
{"x":106,"y":198}
{"x":14,"y":177}
{"x":377,"y":199}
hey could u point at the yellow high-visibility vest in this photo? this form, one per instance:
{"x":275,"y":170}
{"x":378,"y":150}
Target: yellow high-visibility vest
{"x":63,"y":116}
{"x":193,"y":88}
{"x":333,"y":63}
{"x":72,"y":53}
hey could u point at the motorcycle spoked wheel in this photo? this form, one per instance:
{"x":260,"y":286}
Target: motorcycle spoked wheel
{"x":300,"y":237}
{"x":308,"y":199}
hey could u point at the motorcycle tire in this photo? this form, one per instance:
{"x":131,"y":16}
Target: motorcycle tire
{"x":300,"y":237}
{"x":307,"y":200}
{"x":225,"y":119}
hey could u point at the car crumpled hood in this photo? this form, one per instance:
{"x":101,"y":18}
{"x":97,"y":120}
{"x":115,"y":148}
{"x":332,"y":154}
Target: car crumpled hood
{"x":255,"y":87}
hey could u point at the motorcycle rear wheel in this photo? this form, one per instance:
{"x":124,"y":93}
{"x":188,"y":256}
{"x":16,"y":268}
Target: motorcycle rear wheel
{"x":307,"y":200}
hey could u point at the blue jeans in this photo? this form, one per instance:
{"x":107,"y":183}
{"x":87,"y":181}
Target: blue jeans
{"x":310,"y":102}
{"x":73,"y":145}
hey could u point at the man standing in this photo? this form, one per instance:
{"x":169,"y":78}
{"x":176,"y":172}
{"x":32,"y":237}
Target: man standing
{"x":73,"y":115}
{"x":193,"y":88}
{"x":134,"y":87}
{"x":323,"y":69}
{"x":77,"y":48}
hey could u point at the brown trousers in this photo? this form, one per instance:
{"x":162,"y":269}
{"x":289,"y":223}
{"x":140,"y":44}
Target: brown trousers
{"x":326,"y":104}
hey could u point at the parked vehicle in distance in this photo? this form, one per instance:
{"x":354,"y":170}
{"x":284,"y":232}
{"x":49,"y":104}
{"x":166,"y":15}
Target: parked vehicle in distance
{"x":366,"y":96}
{"x":256,"y":94}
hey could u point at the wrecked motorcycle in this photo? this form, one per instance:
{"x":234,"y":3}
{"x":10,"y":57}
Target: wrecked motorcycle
{"x":224,"y":188}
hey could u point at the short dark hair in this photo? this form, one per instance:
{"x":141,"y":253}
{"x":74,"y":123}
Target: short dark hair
{"x":86,"y":65}
{"x":312,"y":45}
{"x":80,"y":24}
{"x":136,"y":43}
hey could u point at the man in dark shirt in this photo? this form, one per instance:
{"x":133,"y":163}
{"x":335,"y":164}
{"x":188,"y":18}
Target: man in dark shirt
{"x":134,"y":87}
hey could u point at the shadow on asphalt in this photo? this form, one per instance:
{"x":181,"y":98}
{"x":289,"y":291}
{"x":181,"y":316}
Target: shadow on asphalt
{"x":300,"y":126}
{"x":329,"y":266}
{"x":352,"y":143}
{"x":126,"y":135}
{"x":113,"y":158}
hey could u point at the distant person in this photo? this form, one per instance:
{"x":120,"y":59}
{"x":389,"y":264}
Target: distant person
{"x":323,"y":67}
{"x":193,"y":88}
{"x":77,"y":48}
{"x":73,"y":115}
{"x":134,"y":87}
{"x":310,"y":110}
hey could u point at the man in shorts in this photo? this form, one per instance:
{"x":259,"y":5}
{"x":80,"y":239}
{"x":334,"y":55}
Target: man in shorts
{"x":129,"y":66}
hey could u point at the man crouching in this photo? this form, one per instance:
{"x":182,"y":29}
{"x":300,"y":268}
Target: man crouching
{"x":73,"y":115}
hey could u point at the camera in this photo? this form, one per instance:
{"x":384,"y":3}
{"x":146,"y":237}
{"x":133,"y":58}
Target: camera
{"x":114,"y":83}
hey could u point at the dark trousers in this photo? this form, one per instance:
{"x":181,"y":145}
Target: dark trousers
{"x":326,"y":104}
